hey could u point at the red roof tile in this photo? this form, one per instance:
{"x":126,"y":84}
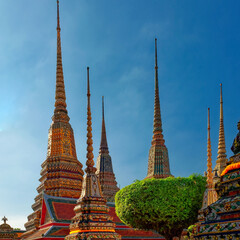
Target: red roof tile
{"x":38,"y":234}
{"x":113,"y":214}
{"x":64,"y":211}
{"x":60,"y":232}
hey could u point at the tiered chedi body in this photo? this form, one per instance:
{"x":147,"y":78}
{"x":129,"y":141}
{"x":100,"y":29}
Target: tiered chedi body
{"x":222,"y":218}
{"x":92,"y":220}
{"x":61,"y":173}
{"x":210,"y":194}
{"x":222,"y":157}
{"x":158,"y":161}
{"x":104,"y":166}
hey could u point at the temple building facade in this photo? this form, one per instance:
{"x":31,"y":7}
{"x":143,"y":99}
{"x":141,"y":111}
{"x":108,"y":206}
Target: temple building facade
{"x":158,"y":161}
{"x":8,"y":233}
{"x":221,"y":219}
{"x":104,"y":166}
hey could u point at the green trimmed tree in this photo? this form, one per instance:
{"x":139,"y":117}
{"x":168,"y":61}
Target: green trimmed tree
{"x":165,"y":205}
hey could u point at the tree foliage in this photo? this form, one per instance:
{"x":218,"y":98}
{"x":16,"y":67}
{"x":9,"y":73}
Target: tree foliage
{"x":165,"y":205}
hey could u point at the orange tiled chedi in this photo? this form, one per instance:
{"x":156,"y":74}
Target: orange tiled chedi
{"x":92,"y":219}
{"x":61,"y":173}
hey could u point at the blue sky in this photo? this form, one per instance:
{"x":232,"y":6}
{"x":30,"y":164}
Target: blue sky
{"x":198,"y":48}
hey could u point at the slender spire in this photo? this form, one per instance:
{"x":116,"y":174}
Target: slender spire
{"x":158,"y":161}
{"x":103,"y":144}
{"x":90,"y":156}
{"x":222,"y":157}
{"x":210,"y":194}
{"x":60,"y":112}
{"x":209,"y":155}
{"x":58,"y":21}
{"x":157,"y":122}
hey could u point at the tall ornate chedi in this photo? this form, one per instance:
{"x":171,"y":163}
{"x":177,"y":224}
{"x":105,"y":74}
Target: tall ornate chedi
{"x":222,"y":157}
{"x":92,"y":220}
{"x":210,"y":194}
{"x":61,"y":174}
{"x":221,"y":219}
{"x":104,"y":166}
{"x":158,"y":161}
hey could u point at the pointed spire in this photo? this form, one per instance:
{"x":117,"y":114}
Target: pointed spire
{"x":158,"y":161}
{"x":60,"y":112}
{"x":157,"y":122}
{"x":209,"y":155}
{"x":58,"y":20}
{"x":90,"y":156}
{"x":103,"y":144}
{"x":222,"y":157}
{"x":210,"y":194}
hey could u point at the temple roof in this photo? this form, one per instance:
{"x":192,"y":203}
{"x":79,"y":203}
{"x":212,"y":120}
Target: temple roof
{"x":60,"y":209}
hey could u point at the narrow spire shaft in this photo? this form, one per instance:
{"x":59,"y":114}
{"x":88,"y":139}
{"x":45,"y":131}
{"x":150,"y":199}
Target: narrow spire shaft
{"x":60,"y":96}
{"x":58,"y":21}
{"x":210,"y":194}
{"x":103,"y":144}
{"x":156,"y":66}
{"x":221,"y":103}
{"x":222,"y":157}
{"x":157,"y":122}
{"x":221,"y":141}
{"x":102,"y":107}
{"x":90,"y":161}
{"x":209,"y":156}
{"x":157,"y":102}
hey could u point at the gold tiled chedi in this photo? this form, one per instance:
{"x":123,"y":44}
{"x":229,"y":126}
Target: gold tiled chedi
{"x":158,"y":161}
{"x":92,"y":219}
{"x":61,"y":173}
